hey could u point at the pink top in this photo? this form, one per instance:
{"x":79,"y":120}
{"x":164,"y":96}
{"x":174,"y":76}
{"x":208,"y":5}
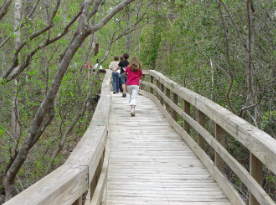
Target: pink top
{"x":133,"y":77}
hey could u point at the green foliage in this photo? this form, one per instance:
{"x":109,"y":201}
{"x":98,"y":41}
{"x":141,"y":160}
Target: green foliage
{"x":269,"y":122}
{"x":152,"y":41}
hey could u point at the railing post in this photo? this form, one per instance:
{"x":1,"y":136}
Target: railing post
{"x":201,"y":121}
{"x":219,"y":132}
{"x":256,"y":168}
{"x":162,"y":90}
{"x":187,"y":111}
{"x":141,"y":85}
{"x":78,"y":201}
{"x":96,"y":177}
{"x":168,"y":94}
{"x":158,"y":86}
{"x":151,"y":80}
{"x":175,"y":100}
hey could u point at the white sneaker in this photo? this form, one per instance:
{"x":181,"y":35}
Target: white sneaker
{"x":132,"y":112}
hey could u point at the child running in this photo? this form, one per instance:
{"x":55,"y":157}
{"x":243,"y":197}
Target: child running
{"x":134,"y":74}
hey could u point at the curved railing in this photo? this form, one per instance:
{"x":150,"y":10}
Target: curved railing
{"x":84,"y":170}
{"x":261,"y":146}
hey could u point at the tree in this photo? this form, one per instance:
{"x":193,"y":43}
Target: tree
{"x":46,"y":110}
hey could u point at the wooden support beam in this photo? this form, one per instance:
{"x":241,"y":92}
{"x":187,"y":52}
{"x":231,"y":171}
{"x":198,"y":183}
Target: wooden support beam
{"x":168,"y":94}
{"x":175,"y":100}
{"x":219,"y":132}
{"x":97,"y":49}
{"x":141,"y":85}
{"x":151,"y":80}
{"x":256,"y":167}
{"x":201,"y":121}
{"x":158,"y":86}
{"x":78,"y":201}
{"x":162,"y":90}
{"x":96,"y":177}
{"x":187,"y":111}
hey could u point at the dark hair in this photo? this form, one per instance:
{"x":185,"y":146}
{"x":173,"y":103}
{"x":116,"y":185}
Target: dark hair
{"x":135,"y":64}
{"x":98,"y":60}
{"x":116,"y":58}
{"x":121,"y":58}
{"x":126,"y":56}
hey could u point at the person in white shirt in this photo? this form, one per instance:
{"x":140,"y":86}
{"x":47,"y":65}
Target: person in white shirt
{"x":97,"y":65}
{"x":115,"y":74}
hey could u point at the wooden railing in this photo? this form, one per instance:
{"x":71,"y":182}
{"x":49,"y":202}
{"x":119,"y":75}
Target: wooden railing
{"x":84,"y":170}
{"x":262,"y":147}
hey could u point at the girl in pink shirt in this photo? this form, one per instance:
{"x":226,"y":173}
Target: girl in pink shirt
{"x":134,"y":74}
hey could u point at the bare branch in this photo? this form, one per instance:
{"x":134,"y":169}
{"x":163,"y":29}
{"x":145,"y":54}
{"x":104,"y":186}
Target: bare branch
{"x":230,"y":75}
{"x":23,"y":43}
{"x":112,"y":13}
{"x":11,"y":75}
{"x":10,"y":135}
{"x":251,"y":106}
{"x":66,"y":29}
{"x":125,"y":32}
{"x":33,"y":10}
{"x":95,"y":9}
{"x":4,"y":8}
{"x":235,"y":26}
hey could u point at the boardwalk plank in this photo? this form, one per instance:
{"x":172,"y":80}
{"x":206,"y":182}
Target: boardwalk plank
{"x":150,"y":164}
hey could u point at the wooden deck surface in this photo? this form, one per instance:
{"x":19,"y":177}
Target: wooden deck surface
{"x":150,"y":164}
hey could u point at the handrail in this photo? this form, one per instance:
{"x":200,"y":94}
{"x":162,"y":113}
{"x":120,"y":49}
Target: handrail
{"x":81,"y":171}
{"x":262,"y":146}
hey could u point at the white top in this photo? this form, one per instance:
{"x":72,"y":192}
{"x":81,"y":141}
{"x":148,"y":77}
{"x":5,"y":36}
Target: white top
{"x":113,"y":66}
{"x":97,"y":66}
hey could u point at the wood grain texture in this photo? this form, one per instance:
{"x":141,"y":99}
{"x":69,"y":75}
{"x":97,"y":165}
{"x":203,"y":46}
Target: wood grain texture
{"x":98,"y":195}
{"x":258,"y":142}
{"x":90,"y":148}
{"x":101,"y":185}
{"x":63,"y":186}
{"x":149,"y":163}
{"x":241,"y":172}
{"x":66,"y":184}
{"x":228,"y":189}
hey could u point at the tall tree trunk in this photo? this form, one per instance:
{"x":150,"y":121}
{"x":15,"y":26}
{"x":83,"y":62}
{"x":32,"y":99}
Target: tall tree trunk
{"x":46,"y":111}
{"x":138,"y":31}
{"x":249,"y":68}
{"x":80,"y":111}
{"x":15,"y":132}
{"x":128,"y":35}
{"x":90,"y":72}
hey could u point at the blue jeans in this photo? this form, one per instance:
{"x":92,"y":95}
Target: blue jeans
{"x":123,"y":79}
{"x":115,"y":78}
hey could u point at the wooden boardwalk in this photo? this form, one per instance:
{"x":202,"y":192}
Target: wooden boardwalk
{"x":149,"y":163}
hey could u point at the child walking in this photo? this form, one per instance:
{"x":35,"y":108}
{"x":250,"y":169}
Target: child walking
{"x":120,"y":83}
{"x":122,"y":67}
{"x":115,"y":74}
{"x":134,"y":74}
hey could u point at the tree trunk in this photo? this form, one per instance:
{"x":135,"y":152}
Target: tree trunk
{"x":249,"y":68}
{"x":4,"y":8}
{"x":81,"y":107}
{"x":45,"y":112}
{"x":138,"y":31}
{"x":128,"y":35}
{"x":28,"y":7}
{"x":90,"y":71}
{"x":15,"y":129}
